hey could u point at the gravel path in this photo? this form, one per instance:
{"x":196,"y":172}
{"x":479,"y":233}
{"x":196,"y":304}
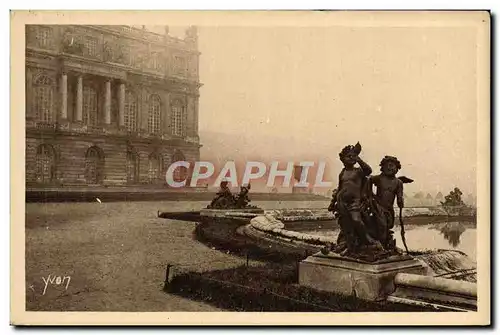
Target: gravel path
{"x":115,"y":255}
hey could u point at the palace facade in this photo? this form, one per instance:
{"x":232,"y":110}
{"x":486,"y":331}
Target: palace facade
{"x":109,"y":105}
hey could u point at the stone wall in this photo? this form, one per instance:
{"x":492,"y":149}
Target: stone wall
{"x":70,"y":154}
{"x":124,"y":45}
{"x":270,"y":224}
{"x":143,"y":62}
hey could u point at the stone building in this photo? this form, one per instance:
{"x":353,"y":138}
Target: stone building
{"x":109,"y":105}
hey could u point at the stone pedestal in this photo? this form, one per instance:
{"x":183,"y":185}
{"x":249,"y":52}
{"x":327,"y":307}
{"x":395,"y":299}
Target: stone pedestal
{"x":351,"y":277}
{"x":442,"y":293}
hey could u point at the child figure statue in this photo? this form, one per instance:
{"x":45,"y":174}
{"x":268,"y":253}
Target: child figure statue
{"x":224,"y":198}
{"x":347,"y":203}
{"x":388,"y":189}
{"x":242,"y":200}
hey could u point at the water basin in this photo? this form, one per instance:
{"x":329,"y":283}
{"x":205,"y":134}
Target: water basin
{"x":459,"y":236}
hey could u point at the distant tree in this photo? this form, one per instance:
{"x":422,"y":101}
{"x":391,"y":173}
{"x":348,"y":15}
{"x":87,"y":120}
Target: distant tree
{"x":453,"y":203}
{"x":417,"y":199}
{"x":429,"y":199}
{"x":439,"y":196}
{"x":454,"y":198}
{"x":418,"y":195}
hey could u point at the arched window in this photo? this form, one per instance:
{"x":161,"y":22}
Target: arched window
{"x":43,"y":96}
{"x":94,"y":165}
{"x":154,"y":114}
{"x":180,"y":172}
{"x":89,"y":106}
{"x":154,"y":171}
{"x":132,"y":166}
{"x":178,"y":118}
{"x":45,"y":163}
{"x":130,"y":111}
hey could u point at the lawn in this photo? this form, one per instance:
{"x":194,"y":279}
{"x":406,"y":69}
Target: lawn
{"x":115,"y":254}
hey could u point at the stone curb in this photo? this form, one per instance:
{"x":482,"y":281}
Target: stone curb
{"x":270,"y":224}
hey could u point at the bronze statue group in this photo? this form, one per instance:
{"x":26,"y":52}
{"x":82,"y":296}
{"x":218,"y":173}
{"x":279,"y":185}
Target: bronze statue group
{"x":224,"y":199}
{"x":366,"y":218}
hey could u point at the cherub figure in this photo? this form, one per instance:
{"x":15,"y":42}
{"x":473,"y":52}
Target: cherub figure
{"x":347,"y":203}
{"x":242,"y":199}
{"x":388,"y":189}
{"x":223,"y":198}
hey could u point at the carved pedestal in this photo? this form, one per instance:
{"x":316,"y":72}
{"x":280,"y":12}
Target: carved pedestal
{"x":350,"y":277}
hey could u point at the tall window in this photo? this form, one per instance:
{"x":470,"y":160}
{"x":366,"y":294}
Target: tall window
{"x":180,"y":172}
{"x":180,"y":65}
{"x":132,"y":166}
{"x":130,"y":115}
{"x":43,"y":36}
{"x":94,"y":165}
{"x":89,"y":105}
{"x":45,"y":163}
{"x":132,"y":57}
{"x":156,"y":61}
{"x":90,"y":45}
{"x":178,"y":118}
{"x":124,"y":54}
{"x":154,"y":170}
{"x":154,"y":114}
{"x":43,"y":97}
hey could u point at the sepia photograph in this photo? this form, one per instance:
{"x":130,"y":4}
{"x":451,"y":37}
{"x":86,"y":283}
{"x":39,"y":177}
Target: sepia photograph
{"x":317,"y":167}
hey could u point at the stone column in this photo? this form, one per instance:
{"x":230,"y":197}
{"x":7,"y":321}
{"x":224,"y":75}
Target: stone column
{"x":196,"y":116}
{"x":190,"y":116}
{"x":121,"y":104}
{"x":29,"y":93}
{"x":142,"y":125}
{"x":107,"y":103}
{"x":64,"y":96}
{"x":166,"y":115}
{"x":79,"y":99}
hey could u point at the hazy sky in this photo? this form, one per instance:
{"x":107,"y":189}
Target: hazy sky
{"x":408,"y":92}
